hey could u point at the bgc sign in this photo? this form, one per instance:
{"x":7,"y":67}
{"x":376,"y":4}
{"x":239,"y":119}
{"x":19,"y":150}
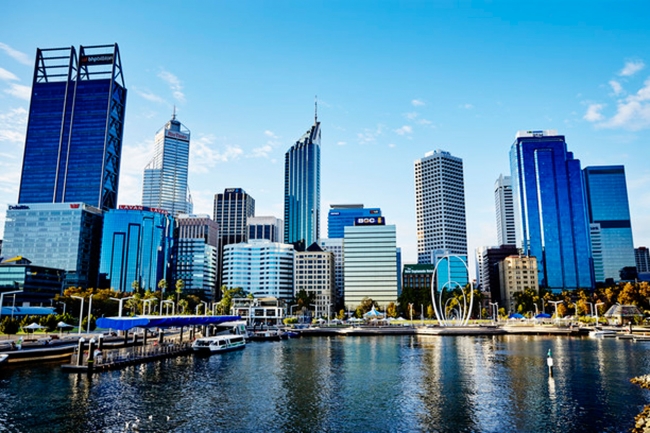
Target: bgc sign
{"x":369,"y":221}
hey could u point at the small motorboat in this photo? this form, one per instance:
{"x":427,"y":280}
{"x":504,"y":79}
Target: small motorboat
{"x":3,"y":358}
{"x":603,"y":333}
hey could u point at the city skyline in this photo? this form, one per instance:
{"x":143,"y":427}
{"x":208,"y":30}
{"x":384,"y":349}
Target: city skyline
{"x":393,"y":82}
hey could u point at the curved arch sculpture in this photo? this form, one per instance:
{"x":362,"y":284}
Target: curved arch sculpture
{"x":463,"y":310}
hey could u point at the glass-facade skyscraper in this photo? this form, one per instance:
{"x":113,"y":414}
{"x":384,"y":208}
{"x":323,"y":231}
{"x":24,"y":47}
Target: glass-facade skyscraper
{"x":165,"y":177}
{"x":73,"y":143}
{"x":137,"y":246}
{"x":550,"y":209}
{"x":505,"y":209}
{"x":609,"y":216}
{"x":343,"y":215}
{"x":302,"y":189}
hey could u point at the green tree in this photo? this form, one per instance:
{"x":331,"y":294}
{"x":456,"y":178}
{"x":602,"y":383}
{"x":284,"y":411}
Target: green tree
{"x":84,"y":323}
{"x":180,"y":285}
{"x":50,"y":321}
{"x":227,"y":295}
{"x":9,"y":325}
{"x":391,"y":310}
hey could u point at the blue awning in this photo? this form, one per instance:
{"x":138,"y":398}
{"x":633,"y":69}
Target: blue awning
{"x":125,"y":323}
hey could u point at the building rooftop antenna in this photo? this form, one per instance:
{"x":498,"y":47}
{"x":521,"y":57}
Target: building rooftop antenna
{"x":315,"y":108}
{"x":174,"y":113}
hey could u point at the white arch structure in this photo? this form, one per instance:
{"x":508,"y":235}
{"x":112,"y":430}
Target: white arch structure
{"x":439,"y":309}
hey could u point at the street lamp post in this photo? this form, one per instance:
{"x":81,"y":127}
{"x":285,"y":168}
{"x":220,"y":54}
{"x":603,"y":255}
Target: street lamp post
{"x":81,"y":311}
{"x":146,"y":303}
{"x":591,"y":307}
{"x":167,"y":302}
{"x":555,"y":303}
{"x":291,"y":309}
{"x":2,"y":296}
{"x":205,"y":308}
{"x":422,"y":313}
{"x":596,"y":308}
{"x":495,"y":311}
{"x":315,"y":309}
{"x":120,"y":300}
{"x":411,"y":313}
{"x":90,"y":308}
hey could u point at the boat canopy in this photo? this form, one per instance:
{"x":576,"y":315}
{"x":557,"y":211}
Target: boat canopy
{"x":124,"y":323}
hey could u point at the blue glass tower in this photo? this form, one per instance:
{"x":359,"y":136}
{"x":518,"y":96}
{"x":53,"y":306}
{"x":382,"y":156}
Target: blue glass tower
{"x":137,"y":246}
{"x":74,"y":132}
{"x":552,"y":222}
{"x":302,"y":189}
{"x":343,"y":215}
{"x":609,"y":215}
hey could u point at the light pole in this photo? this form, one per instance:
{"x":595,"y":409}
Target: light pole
{"x":81,"y":311}
{"x":146,"y":303}
{"x":90,"y":308}
{"x":411,"y":312}
{"x":315,"y":309}
{"x":291,"y":309}
{"x":2,"y":296}
{"x":205,"y":308}
{"x":596,"y":308}
{"x":167,"y":302}
{"x":555,"y":303}
{"x":495,"y":311}
{"x":329,"y":312}
{"x":591,"y":307}
{"x":120,"y":300}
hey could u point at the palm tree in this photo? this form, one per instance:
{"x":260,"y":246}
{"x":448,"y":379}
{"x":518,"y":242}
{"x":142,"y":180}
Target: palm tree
{"x":180,"y":285}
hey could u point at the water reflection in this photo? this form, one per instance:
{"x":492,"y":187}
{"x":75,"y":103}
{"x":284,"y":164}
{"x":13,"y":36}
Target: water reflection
{"x":346,"y":384}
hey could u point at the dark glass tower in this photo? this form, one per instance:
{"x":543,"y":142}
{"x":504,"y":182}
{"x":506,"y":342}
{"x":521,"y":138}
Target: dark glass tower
{"x":74,"y":132}
{"x":609,"y":216}
{"x":302,"y":190}
{"x":552,"y":221}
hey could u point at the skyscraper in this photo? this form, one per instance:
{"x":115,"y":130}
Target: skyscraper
{"x":265,"y":227}
{"x":440,"y":205}
{"x":552,"y":219}
{"x":342,"y":215}
{"x":165,"y":177}
{"x":609,"y":215}
{"x":73,"y":144}
{"x":196,"y":256}
{"x":505,"y":210}
{"x":231,"y":212}
{"x":642,"y":258}
{"x":302,"y":189}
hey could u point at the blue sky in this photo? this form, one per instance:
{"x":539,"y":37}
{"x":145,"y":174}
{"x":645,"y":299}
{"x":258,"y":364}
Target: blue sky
{"x":394,"y":80}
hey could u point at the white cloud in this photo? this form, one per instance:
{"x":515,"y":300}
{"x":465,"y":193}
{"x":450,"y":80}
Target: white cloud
{"x":467,"y":106}
{"x":341,"y":143}
{"x":19,"y":91}
{"x":13,"y":124}
{"x":16,"y":55}
{"x":631,"y":68}
{"x":174,"y":84}
{"x":149,"y":96}
{"x":616,"y":87}
{"x":417,"y":103}
{"x":424,"y":122}
{"x":7,"y":76}
{"x":203,"y":157}
{"x":593,"y":113}
{"x":369,"y":136}
{"x":391,"y":145}
{"x":412,"y":115}
{"x":632,"y":112}
{"x":404,"y":130}
{"x":270,"y":134}
{"x":261,"y":152}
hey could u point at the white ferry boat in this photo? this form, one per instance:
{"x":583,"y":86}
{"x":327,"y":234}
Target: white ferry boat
{"x":229,"y":336}
{"x":219,"y":344}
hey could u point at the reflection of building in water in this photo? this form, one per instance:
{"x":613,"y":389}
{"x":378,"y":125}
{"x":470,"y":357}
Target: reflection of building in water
{"x":267,"y":311}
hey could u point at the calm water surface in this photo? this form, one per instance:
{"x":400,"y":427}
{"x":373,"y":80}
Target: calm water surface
{"x":346,"y":384}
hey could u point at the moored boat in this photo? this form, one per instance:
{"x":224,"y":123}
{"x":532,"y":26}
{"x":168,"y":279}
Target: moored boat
{"x":219,"y":344}
{"x":602,"y":333}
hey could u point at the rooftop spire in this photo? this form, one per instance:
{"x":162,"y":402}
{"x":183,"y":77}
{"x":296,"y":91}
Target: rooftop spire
{"x":315,"y":108}
{"x":174,"y":113}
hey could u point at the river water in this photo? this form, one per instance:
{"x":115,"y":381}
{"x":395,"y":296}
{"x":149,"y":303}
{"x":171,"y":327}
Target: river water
{"x":346,"y":384}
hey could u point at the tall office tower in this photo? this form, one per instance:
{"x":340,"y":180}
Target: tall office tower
{"x":505,"y":209}
{"x":231,"y":212}
{"x":57,"y":235}
{"x":370,"y":264}
{"x":73,"y":144}
{"x":137,"y":247}
{"x":642,"y":258}
{"x":302,"y":190}
{"x":313,"y":272}
{"x":260,"y":267}
{"x":440,"y":205}
{"x":608,"y":207}
{"x":196,"y":256}
{"x":265,"y":227}
{"x":487,"y":260}
{"x":552,"y":219}
{"x":343,"y":215}
{"x":335,"y":246}
{"x":165,"y":177}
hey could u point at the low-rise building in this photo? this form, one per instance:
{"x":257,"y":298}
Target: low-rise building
{"x":517,"y":273}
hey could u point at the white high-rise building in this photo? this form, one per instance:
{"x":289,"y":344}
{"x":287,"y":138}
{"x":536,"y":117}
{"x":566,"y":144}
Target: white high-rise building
{"x":440,"y":205}
{"x":335,"y":246}
{"x":505,"y":210}
{"x":165,"y":177}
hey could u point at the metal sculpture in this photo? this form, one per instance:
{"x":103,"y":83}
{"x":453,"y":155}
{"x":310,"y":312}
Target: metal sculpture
{"x":462,"y":311}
